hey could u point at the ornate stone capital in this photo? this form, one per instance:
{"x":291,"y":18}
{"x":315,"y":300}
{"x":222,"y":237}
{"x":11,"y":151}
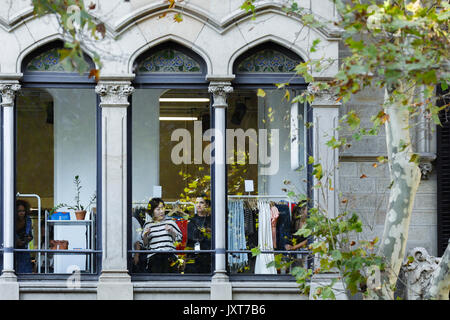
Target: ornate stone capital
{"x":419,"y":273}
{"x":324,"y":98}
{"x":8,"y":92}
{"x":114,"y":93}
{"x":220,"y":91}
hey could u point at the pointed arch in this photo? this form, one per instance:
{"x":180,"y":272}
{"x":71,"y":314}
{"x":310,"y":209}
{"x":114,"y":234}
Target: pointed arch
{"x":265,"y":60}
{"x":169,"y":61}
{"x":42,"y":63}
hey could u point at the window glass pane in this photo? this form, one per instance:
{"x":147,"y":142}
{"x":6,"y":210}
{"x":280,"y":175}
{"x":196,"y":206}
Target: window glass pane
{"x":56,"y":172}
{"x":266,"y":161}
{"x":170,"y":161}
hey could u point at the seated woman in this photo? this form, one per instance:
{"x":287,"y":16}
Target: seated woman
{"x":160,"y":234}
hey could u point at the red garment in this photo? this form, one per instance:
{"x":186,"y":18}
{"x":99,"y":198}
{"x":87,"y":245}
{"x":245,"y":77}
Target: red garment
{"x":274,"y":214}
{"x":182,"y":224}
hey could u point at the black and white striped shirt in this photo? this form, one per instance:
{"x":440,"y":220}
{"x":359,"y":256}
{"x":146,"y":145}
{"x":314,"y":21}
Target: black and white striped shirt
{"x":159,"y":238}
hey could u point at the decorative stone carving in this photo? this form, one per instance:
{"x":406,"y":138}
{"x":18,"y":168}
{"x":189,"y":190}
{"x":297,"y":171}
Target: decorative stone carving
{"x":425,"y":168}
{"x":114,"y":94}
{"x":322,"y":97}
{"x":419,"y":273}
{"x":167,"y":61}
{"x":220,"y":91}
{"x":8,"y":92}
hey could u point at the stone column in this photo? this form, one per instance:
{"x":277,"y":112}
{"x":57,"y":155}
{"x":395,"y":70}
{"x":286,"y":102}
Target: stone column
{"x":220,"y":286}
{"x":114,"y":281}
{"x":9,"y":288}
{"x":325,"y":121}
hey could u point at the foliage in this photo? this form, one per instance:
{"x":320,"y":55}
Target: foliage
{"x":81,"y":29}
{"x":396,"y":45}
{"x":76,"y":21}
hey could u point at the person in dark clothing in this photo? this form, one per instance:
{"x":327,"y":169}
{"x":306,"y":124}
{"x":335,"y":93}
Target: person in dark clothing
{"x":300,"y":213}
{"x":23,"y":236}
{"x":199,"y":237}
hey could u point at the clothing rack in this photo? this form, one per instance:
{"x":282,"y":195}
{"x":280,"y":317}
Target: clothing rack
{"x":178,"y":202}
{"x":264,"y":196}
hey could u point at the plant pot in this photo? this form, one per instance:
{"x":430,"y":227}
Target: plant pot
{"x":59,"y":244}
{"x":80,"y":214}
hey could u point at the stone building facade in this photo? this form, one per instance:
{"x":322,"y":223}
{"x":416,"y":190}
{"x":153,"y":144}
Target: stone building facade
{"x":218,"y":35}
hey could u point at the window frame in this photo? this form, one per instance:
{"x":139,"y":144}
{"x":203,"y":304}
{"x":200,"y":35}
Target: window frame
{"x":72,"y":80}
{"x":266,"y":81}
{"x":175,"y":80}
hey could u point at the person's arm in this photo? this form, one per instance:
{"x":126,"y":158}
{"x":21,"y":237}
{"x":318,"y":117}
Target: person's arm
{"x":173,"y":229}
{"x":299,"y":245}
{"x":146,"y":234}
{"x":137,"y":246}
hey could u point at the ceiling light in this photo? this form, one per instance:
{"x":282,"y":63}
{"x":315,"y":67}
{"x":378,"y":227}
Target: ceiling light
{"x":178,"y":118}
{"x":183,"y":99}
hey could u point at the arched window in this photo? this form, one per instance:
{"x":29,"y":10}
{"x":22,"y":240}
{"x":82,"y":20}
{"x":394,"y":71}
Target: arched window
{"x":170,"y":116}
{"x":267,"y":63}
{"x":267,"y":148}
{"x":56,"y":166}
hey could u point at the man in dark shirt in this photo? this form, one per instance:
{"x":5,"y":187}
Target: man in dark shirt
{"x":199,"y":237}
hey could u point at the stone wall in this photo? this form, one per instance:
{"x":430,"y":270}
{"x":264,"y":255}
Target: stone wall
{"x":366,"y":187}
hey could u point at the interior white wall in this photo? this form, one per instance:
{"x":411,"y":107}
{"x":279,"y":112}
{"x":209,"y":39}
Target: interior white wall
{"x":145,"y":143}
{"x":75,"y":153}
{"x":75,"y":144}
{"x":273,"y":184}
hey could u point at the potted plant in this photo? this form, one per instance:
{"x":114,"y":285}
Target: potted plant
{"x":80,"y":210}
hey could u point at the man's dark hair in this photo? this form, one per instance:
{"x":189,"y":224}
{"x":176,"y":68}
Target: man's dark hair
{"x":205,"y":197}
{"x":153,"y":204}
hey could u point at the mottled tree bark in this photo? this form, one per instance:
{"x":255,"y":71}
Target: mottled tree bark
{"x":440,"y":285}
{"x":406,"y":179}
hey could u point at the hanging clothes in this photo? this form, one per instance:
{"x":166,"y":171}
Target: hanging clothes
{"x":265,"y":241}
{"x":274,"y":214}
{"x":183,"y":225}
{"x":236,"y":235}
{"x":283,"y":226}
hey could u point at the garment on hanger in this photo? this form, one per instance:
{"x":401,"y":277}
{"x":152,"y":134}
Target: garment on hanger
{"x":182,"y":224}
{"x":236,"y":235}
{"x":283,"y":226}
{"x":265,"y":242}
{"x":274,"y":214}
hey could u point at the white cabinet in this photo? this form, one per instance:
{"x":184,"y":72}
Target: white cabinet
{"x":79,"y":234}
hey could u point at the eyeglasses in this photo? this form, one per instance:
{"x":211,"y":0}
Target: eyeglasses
{"x":21,"y":211}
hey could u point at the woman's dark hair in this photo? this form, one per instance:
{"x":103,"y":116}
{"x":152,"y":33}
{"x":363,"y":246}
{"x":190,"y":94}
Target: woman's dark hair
{"x":153,"y":204}
{"x":205,"y":197}
{"x":25,"y":204}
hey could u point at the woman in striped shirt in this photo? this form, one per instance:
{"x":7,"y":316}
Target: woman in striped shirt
{"x":160,"y":234}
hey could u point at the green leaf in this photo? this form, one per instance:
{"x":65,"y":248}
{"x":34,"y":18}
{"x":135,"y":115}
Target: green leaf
{"x":336,"y":255}
{"x":255,"y":251}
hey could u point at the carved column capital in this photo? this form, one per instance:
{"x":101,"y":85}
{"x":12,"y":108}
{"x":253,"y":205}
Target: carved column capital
{"x":322,"y":97}
{"x":114,"y":93}
{"x":220,"y":90}
{"x":8,"y":91}
{"x":419,"y":272}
